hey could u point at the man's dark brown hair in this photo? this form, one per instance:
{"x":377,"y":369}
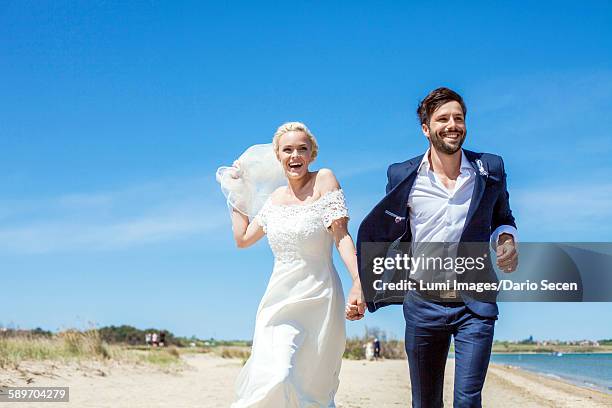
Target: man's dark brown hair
{"x":434,"y":100}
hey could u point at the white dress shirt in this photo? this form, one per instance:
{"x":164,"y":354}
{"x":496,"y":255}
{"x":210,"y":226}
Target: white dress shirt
{"x":438,"y":214}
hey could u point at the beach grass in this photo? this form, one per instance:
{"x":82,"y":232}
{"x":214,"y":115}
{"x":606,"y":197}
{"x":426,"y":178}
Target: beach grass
{"x":161,"y":356}
{"x":242,"y":353}
{"x":391,"y":349}
{"x":67,"y":345}
{"x":74,"y":345}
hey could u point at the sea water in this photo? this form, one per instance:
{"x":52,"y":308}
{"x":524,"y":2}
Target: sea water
{"x":592,"y":370}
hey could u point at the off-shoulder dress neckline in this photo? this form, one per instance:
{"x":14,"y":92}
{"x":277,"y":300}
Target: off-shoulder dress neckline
{"x":324,"y":195}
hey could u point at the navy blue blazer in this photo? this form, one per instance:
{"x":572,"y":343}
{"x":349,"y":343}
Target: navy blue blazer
{"x":389,"y":221}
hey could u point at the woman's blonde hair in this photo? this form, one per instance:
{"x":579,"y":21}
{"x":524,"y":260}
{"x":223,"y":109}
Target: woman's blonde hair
{"x":295,"y":127}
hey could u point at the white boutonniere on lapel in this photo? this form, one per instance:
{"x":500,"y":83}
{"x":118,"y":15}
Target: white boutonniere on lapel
{"x":481,"y":168}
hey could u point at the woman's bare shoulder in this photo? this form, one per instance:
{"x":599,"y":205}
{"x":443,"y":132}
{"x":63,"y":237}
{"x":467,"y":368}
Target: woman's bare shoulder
{"x":326,"y":181}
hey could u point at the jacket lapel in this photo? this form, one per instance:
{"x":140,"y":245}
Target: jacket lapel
{"x":395,"y":202}
{"x":479,"y":186}
{"x":403,"y":188}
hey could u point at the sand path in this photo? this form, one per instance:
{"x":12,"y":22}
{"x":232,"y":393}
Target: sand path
{"x":207,"y":381}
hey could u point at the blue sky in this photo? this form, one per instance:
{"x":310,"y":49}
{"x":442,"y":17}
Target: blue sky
{"x":114,"y":118}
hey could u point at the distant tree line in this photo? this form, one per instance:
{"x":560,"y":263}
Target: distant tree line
{"x":37,"y":332}
{"x":131,"y":335}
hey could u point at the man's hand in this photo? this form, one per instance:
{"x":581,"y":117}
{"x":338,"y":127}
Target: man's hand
{"x":355,"y":307}
{"x":507,"y":255}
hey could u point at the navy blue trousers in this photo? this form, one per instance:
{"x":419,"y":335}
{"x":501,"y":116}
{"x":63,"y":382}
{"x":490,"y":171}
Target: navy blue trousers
{"x":429,"y":328}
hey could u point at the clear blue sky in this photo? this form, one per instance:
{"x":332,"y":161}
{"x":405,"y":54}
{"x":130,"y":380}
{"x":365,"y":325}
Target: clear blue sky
{"x":114,"y":117}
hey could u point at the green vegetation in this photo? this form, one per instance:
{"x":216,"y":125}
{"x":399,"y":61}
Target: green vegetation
{"x":132,"y":336}
{"x":126,"y":344}
{"x":72,"y":345}
{"x":551,"y":347}
{"x":390,"y":348}
{"x":241,"y":352}
{"x":161,"y":356}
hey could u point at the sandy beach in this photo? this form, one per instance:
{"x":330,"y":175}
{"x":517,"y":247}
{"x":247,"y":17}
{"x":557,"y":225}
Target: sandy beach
{"x":207,"y":381}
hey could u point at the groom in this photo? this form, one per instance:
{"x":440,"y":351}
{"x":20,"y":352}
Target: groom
{"x":448,"y":195}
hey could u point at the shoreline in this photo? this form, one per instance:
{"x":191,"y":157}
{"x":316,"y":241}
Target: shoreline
{"x":548,"y":389}
{"x":556,"y":377}
{"x":549,"y":353}
{"x":576,"y":380}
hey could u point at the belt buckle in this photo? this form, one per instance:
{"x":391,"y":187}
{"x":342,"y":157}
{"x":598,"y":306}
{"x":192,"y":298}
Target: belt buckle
{"x":448,"y":294}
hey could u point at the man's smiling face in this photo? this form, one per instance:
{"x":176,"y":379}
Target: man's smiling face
{"x":446,"y":130}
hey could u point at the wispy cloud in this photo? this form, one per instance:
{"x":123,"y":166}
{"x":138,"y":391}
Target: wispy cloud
{"x":545,"y":109}
{"x":138,"y":215}
{"x":564,"y":213}
{"x":561,"y":94}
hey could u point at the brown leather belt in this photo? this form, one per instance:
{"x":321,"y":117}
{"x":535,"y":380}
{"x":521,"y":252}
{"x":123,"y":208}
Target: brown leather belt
{"x":441,"y":295}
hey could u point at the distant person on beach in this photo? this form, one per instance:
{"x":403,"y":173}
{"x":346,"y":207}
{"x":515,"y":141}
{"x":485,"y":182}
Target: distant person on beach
{"x":299,"y":335}
{"x":376,"y":348}
{"x":454,"y":196}
{"x":369,"y":350}
{"x":148,"y":339}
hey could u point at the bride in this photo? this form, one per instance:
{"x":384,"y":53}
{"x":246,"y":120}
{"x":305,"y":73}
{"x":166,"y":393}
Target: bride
{"x":299,"y":329}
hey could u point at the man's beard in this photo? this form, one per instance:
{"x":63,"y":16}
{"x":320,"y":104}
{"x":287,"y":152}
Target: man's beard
{"x":443,"y":147}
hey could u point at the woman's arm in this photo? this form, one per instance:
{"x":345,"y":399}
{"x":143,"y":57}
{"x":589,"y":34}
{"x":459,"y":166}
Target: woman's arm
{"x":346,"y":248}
{"x":355,"y":308}
{"x":245,"y":233}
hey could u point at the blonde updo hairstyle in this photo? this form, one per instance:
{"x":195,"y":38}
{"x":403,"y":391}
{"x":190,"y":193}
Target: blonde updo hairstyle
{"x":295,"y":127}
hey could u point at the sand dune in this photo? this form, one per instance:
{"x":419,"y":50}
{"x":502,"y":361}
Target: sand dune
{"x":207,"y":381}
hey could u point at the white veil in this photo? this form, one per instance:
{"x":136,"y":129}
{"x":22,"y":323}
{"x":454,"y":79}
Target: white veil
{"x":259,"y":174}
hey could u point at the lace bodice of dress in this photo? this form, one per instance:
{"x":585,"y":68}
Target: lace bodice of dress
{"x":300,"y":232}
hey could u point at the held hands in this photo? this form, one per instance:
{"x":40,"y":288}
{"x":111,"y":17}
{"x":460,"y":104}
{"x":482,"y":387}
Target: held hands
{"x":355,"y":307}
{"x":507,"y":255}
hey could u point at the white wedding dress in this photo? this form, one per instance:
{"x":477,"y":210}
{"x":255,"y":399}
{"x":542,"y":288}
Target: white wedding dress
{"x":299,"y":331}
